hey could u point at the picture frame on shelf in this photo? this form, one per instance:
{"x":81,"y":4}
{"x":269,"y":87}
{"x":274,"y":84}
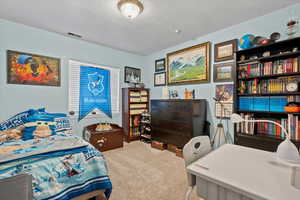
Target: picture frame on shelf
{"x":224,"y":72}
{"x":225,"y":50}
{"x":132,"y":75}
{"x":36,"y":69}
{"x":160,"y":79}
{"x":160,"y":65}
{"x":189,"y":65}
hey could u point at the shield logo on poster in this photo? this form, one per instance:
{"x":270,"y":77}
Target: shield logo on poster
{"x":95,"y":85}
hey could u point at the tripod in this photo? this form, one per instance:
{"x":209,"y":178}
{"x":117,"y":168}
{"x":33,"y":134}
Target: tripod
{"x":220,"y":137}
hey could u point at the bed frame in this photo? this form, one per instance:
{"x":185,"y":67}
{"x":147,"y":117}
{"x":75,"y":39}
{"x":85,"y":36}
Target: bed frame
{"x":99,"y":194}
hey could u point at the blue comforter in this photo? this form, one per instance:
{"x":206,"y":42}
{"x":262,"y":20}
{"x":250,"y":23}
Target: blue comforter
{"x":62,"y":167}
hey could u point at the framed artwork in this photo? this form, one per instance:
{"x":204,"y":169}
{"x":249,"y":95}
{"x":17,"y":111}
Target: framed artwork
{"x":132,"y":75}
{"x":189,"y":65}
{"x":32,"y":69}
{"x":225,"y":50}
{"x":224,"y":105}
{"x":224,"y":72}
{"x":160,"y":65}
{"x":160,"y":79}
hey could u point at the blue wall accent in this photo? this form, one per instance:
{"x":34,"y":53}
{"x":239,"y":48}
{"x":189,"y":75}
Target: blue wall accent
{"x":17,"y":98}
{"x":264,"y":26}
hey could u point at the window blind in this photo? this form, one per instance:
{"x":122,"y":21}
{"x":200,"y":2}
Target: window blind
{"x":74,"y":87}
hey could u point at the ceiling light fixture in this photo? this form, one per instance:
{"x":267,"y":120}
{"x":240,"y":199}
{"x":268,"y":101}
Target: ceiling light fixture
{"x":130,"y":8}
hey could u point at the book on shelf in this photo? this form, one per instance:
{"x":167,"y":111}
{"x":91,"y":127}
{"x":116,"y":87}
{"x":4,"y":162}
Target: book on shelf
{"x":138,"y":96}
{"x":291,"y":124}
{"x":256,"y":69}
{"x":257,"y":86}
{"x":265,"y":103}
{"x":135,"y":131}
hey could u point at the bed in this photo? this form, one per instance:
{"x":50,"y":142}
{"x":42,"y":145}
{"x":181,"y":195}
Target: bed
{"x":63,"y":166}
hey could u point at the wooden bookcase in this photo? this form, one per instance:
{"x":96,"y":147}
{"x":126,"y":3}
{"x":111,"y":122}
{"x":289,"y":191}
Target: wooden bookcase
{"x":259,"y":80}
{"x":134,"y":102}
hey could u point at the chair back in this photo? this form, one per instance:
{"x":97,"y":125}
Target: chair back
{"x":16,"y":187}
{"x":196,"y":148}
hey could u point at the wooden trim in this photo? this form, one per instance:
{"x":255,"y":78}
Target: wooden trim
{"x":99,"y":194}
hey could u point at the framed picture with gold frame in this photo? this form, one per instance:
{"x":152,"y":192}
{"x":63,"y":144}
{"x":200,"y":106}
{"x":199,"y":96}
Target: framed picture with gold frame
{"x":189,"y":65}
{"x":225,"y":50}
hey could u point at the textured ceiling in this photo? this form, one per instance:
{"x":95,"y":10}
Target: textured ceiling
{"x":99,"y":21}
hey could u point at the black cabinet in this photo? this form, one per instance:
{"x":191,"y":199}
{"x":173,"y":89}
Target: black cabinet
{"x":177,"y":121}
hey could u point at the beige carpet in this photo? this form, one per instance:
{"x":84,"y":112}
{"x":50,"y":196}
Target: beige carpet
{"x":139,"y":172}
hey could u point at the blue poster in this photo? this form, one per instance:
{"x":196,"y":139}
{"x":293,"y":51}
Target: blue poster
{"x":94,"y":91}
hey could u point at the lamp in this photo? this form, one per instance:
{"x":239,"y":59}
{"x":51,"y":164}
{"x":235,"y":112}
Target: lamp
{"x":286,"y":150}
{"x":130,"y":8}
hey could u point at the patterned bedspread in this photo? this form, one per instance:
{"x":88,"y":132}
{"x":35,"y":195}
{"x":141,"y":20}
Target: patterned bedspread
{"x":62,"y":167}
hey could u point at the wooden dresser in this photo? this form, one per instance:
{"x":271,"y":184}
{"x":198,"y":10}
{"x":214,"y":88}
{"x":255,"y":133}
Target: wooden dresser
{"x":175,"y":122}
{"x":105,"y":140}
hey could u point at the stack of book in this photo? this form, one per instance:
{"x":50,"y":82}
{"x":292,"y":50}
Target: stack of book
{"x":256,"y":69}
{"x":291,"y":124}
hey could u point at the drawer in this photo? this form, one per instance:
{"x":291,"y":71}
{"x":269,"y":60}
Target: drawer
{"x":104,"y":142}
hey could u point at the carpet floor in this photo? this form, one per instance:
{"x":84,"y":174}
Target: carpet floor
{"x":139,"y":172}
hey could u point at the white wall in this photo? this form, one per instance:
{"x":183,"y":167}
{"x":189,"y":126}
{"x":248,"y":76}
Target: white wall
{"x":263,"y":26}
{"x":17,"y":98}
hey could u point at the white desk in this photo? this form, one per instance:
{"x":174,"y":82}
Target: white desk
{"x":234,"y":172}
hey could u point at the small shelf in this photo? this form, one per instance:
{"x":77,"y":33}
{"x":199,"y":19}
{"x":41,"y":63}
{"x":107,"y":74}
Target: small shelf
{"x":272,"y":94}
{"x":277,"y":56}
{"x":268,"y":112}
{"x":146,"y":136}
{"x":267,"y":137}
{"x":271,"y":76}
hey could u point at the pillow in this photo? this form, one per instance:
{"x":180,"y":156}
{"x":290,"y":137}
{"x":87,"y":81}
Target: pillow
{"x":38,"y":129}
{"x":62,"y":121}
{"x":62,"y":124}
{"x":19,"y":119}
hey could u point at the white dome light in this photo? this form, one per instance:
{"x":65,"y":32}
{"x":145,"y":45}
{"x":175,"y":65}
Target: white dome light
{"x":130,"y":8}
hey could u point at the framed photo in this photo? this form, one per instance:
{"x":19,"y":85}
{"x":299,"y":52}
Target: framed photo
{"x":160,"y":65}
{"x":189,"y":65}
{"x":225,"y":50}
{"x":132,"y":75}
{"x":224,"y":72}
{"x":160,"y":79}
{"x":32,"y":69}
{"x":224,"y":105}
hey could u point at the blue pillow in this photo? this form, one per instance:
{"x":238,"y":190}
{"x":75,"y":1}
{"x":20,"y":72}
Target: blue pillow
{"x":19,"y":119}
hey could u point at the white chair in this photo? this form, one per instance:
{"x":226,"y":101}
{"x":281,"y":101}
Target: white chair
{"x":16,"y":187}
{"x":196,"y":148}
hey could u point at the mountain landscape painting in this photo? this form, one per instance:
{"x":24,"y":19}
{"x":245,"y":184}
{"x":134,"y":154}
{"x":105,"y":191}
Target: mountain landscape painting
{"x":189,"y":65}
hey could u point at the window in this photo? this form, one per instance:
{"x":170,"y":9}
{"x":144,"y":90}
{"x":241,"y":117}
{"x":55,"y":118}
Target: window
{"x":74,"y":87}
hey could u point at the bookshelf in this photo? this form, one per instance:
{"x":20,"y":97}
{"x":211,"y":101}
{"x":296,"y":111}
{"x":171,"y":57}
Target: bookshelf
{"x":134,"y":102}
{"x":262,"y":76}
